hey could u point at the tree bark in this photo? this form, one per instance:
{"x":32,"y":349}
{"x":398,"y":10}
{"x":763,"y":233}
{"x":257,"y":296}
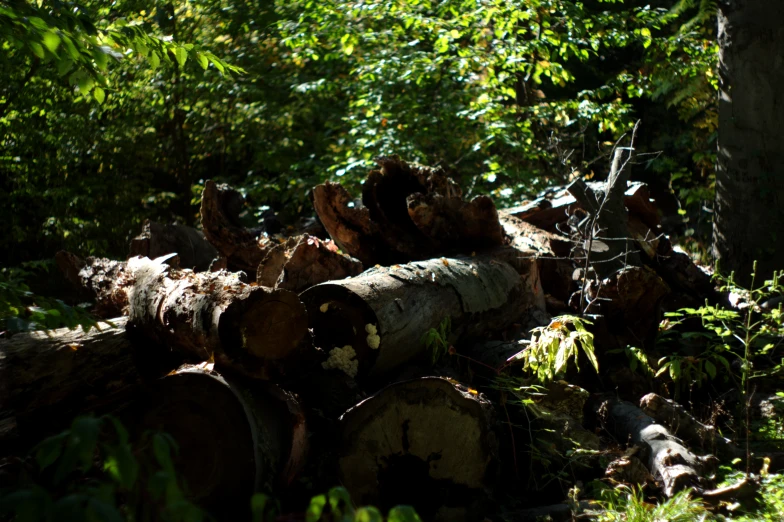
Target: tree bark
{"x":749,"y":205}
{"x":304,"y":261}
{"x":429,"y":442}
{"x":401,"y":303}
{"x":47,"y":378}
{"x":190,"y":245}
{"x":252,"y":329}
{"x":234,"y":437}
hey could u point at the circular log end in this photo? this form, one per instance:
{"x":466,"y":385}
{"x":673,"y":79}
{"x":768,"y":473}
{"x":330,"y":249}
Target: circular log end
{"x":269,"y":330}
{"x":426,"y":442}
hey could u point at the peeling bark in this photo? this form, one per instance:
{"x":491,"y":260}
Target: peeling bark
{"x":190,"y":245}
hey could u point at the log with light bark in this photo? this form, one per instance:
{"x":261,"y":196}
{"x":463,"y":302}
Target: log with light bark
{"x":409,"y":212}
{"x":304,"y":261}
{"x":246,"y":327}
{"x":190,"y":245}
{"x":47,"y":378}
{"x":671,"y":464}
{"x":234,"y":437}
{"x":429,"y":442}
{"x":383,"y":313}
{"x":243,"y":248}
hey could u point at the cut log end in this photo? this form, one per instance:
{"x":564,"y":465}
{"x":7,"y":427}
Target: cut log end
{"x":427,"y":442}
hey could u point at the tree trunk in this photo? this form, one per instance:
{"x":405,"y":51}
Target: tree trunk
{"x":749,"y":210}
{"x":383,"y":313}
{"x":428,"y":442}
{"x":249,"y":328}
{"x":234,"y":437}
{"x":47,"y":378}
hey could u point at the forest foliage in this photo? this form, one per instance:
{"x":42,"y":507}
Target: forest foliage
{"x":113,"y":113}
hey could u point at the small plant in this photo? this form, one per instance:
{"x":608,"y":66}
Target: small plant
{"x":336,"y":506}
{"x":554,"y":345}
{"x":625,"y":504}
{"x":436,"y":340}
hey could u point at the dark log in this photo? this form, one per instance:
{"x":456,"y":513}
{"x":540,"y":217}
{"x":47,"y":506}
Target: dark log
{"x":242,"y":247}
{"x":383,"y":313}
{"x":630,"y":301}
{"x":671,"y":464}
{"x":190,"y":245}
{"x":47,"y":378}
{"x":249,"y":328}
{"x":234,"y":437}
{"x":304,"y":261}
{"x":430,"y":443}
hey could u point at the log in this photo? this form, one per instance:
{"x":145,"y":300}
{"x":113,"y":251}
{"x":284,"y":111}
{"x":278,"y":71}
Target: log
{"x":671,"y":464}
{"x":383,"y":313}
{"x":190,"y":245}
{"x":243,"y":248}
{"x":209,"y":315}
{"x":687,"y":427}
{"x":304,"y":261}
{"x":234,"y":437}
{"x":429,"y":442}
{"x":104,"y":280}
{"x":47,"y":378}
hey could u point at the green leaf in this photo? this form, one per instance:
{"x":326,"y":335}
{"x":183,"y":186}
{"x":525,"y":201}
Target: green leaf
{"x":403,"y":514}
{"x":710,"y":369}
{"x":154,"y":59}
{"x":316,"y":508}
{"x":181,"y":55}
{"x":99,"y":95}
{"x":202,"y":61}
{"x":368,"y":514}
{"x":51,"y":41}
{"x":37,"y":49}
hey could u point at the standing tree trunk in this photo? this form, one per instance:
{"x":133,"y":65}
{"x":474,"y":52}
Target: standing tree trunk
{"x":750,"y":172}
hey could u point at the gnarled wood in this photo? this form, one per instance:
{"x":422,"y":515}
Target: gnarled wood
{"x":242,"y":247}
{"x":401,"y":303}
{"x":427,"y":442}
{"x":304,"y":261}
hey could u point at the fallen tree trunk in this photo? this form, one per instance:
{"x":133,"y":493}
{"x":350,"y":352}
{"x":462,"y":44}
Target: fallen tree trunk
{"x":429,"y":442}
{"x":304,"y":261}
{"x":47,"y":378}
{"x":251,"y":329}
{"x":234,"y":437}
{"x":383,"y":314}
{"x":670,"y":463}
{"x":190,"y":245}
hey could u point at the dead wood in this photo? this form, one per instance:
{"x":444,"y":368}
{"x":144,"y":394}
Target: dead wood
{"x":104,"y":280}
{"x":684,"y":425}
{"x":234,"y":437}
{"x":409,"y":212}
{"x":249,"y":328}
{"x":630,"y":302}
{"x":243,"y":248}
{"x":47,"y":378}
{"x":429,"y":442}
{"x":304,"y":261}
{"x":190,"y":245}
{"x":383,"y":313}
{"x":671,"y":464}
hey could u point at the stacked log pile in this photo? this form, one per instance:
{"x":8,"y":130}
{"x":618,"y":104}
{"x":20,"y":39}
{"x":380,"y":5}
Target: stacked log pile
{"x":249,"y":345}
